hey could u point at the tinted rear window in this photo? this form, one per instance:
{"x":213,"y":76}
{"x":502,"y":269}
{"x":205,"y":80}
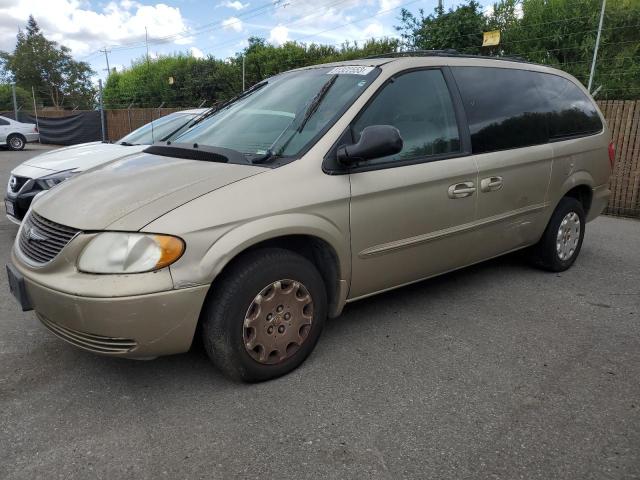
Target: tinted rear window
{"x":503,"y":106}
{"x":510,"y":108}
{"x":571,"y":112}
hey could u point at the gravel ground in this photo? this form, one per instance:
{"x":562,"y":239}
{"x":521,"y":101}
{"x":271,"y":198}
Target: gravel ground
{"x":495,"y":371}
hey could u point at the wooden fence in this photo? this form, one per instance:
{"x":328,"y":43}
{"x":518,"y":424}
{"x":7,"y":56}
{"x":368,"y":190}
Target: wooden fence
{"x":623,"y":118}
{"x":122,"y":122}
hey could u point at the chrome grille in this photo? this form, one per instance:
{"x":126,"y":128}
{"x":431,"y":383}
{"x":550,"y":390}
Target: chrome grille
{"x":89,"y":341}
{"x":41,"y":239}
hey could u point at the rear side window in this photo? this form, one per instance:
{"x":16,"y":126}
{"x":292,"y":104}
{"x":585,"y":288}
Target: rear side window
{"x":419,"y":105}
{"x":3,"y":122}
{"x":571,"y":113}
{"x":504,"y":108}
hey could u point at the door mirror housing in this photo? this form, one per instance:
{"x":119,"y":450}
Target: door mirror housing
{"x":375,"y":141}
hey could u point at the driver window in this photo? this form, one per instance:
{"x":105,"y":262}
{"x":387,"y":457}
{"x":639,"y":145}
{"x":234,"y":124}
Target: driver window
{"x":418,"y":104}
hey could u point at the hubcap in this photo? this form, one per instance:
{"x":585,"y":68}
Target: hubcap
{"x":278,"y":321}
{"x":16,"y":142}
{"x":568,"y":236}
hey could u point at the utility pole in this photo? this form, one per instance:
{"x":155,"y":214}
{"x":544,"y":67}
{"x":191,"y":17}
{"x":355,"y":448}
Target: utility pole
{"x":146,"y":41}
{"x":35,"y":110}
{"x":15,"y":102}
{"x":595,"y":50}
{"x":243,"y":57}
{"x":104,"y":133}
{"x":106,"y":56}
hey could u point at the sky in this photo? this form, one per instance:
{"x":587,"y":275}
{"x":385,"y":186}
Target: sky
{"x":198,"y":27}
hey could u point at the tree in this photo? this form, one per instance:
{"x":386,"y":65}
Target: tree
{"x":23,"y":97}
{"x":459,"y":28}
{"x":49,"y":68}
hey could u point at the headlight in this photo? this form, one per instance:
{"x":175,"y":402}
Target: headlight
{"x":119,"y":252}
{"x":51,"y":181}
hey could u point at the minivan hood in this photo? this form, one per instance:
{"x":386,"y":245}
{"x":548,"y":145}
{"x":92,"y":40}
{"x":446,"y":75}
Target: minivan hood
{"x":80,"y":157}
{"x":129,"y":193}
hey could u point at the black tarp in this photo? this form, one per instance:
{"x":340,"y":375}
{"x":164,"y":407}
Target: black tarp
{"x":76,"y":128}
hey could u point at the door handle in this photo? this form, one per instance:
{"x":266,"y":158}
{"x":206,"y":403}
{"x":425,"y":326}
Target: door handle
{"x":491,"y":184}
{"x":461,"y":190}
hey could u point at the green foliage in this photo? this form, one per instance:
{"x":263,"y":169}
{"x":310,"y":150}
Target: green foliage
{"x":559,"y":33}
{"x":37,"y":62}
{"x":146,"y":83}
{"x":23,"y":98}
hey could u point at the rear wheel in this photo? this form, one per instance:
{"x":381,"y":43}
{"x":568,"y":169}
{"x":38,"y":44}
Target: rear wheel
{"x":265,"y":315}
{"x":561,"y":242}
{"x":16,"y":142}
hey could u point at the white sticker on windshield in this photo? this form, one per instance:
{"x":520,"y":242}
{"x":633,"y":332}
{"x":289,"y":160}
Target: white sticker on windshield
{"x":350,"y":70}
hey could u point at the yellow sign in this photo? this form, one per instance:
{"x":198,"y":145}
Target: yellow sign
{"x":491,"y":38}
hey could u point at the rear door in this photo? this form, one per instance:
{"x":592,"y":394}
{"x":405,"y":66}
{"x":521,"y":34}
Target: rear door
{"x":410,"y":213}
{"x":509,"y":137}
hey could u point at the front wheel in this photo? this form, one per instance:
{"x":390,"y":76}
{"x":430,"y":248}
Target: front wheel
{"x":15,"y":142}
{"x":264,"y":316}
{"x":561,"y":242}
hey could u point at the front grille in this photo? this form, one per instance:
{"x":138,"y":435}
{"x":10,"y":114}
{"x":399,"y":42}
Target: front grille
{"x":16,"y":183}
{"x":41,"y":239}
{"x":88,"y":341}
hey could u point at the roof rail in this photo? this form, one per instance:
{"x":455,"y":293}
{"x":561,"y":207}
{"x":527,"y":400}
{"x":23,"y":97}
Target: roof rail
{"x":448,"y":52}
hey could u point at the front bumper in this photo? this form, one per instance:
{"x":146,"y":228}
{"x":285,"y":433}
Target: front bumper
{"x":140,"y":326}
{"x":133,"y":316}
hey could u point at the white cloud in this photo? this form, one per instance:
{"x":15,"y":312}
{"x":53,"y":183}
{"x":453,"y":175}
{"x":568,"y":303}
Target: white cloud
{"x":374,"y":29}
{"x":388,"y":5}
{"x":232,"y":23}
{"x":196,"y":52}
{"x":279,"y":35}
{"x":235,"y":5}
{"x":83,"y":29}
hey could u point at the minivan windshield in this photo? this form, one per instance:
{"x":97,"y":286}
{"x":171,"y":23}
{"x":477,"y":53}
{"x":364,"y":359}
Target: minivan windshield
{"x":159,"y":130}
{"x":285,"y":114}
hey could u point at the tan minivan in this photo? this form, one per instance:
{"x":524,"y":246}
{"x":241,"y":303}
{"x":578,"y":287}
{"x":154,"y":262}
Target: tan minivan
{"x":315,"y":188}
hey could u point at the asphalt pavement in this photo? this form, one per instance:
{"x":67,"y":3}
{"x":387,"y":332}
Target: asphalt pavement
{"x":496,"y":371}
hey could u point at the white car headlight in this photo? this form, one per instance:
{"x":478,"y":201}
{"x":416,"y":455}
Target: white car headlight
{"x":121,"y":252}
{"x":51,"y":181}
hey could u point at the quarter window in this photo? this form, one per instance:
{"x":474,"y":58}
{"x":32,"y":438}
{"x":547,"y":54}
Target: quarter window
{"x":418,"y":104}
{"x":570,"y":112}
{"x":3,"y":121}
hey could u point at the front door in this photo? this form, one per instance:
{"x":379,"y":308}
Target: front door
{"x":412,"y":213}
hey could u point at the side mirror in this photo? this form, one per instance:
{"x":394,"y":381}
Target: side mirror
{"x":375,"y":141}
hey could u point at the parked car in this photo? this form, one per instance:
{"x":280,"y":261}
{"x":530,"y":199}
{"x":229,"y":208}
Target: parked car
{"x":316,"y":188}
{"x":16,"y":135}
{"x":44,"y":171}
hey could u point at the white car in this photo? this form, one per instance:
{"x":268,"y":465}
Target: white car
{"x":42,"y":172}
{"x":16,"y":134}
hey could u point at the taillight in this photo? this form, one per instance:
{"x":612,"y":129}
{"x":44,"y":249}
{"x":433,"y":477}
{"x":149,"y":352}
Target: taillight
{"x":35,"y":129}
{"x":612,"y":154}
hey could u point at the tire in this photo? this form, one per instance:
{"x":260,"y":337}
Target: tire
{"x":16,"y":142}
{"x":558,"y":249}
{"x":232,"y":319}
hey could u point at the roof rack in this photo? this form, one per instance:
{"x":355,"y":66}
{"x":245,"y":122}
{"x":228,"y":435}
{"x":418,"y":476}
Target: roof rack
{"x":448,"y":52}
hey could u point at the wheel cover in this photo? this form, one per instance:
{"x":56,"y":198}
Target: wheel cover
{"x":278,"y":321}
{"x":16,"y":142}
{"x":568,"y":236}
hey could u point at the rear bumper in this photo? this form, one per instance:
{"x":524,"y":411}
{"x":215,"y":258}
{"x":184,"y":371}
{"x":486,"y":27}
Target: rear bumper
{"x":32,"y":137}
{"x":599,"y":201}
{"x":139,"y":326}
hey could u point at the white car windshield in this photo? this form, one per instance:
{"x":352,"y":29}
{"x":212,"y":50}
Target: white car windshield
{"x":159,"y":130}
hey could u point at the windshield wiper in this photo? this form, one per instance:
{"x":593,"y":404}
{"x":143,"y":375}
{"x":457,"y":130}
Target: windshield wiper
{"x":315,"y":103}
{"x":270,"y":154}
{"x":127,"y":144}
